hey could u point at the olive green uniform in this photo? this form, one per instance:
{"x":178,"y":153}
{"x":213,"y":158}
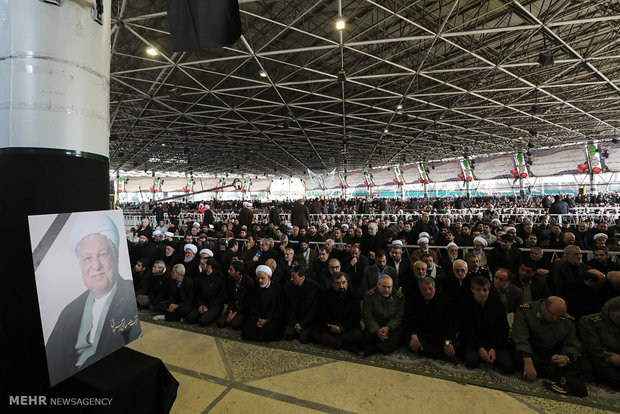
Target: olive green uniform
{"x":599,"y":334}
{"x":377,"y":312}
{"x":534,"y":337}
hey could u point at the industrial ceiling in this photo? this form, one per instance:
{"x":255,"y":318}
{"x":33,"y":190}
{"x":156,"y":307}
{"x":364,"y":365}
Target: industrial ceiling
{"x":403,"y":82}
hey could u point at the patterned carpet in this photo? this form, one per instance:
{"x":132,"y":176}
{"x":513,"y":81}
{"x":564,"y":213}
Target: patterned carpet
{"x":402,"y":360}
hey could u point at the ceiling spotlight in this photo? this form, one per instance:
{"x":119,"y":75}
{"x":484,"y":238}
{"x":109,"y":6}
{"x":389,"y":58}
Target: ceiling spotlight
{"x":399,"y":107}
{"x":340,"y":24}
{"x":385,"y":131}
{"x":152,"y":51}
{"x":262,"y":73}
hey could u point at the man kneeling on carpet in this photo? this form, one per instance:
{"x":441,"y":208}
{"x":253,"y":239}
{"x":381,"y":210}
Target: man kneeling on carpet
{"x":265,"y":321}
{"x":547,"y":345}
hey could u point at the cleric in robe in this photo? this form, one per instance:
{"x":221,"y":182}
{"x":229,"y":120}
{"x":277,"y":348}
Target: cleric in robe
{"x":105,"y":317}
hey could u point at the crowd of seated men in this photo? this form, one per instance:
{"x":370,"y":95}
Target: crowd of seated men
{"x":360,"y":286}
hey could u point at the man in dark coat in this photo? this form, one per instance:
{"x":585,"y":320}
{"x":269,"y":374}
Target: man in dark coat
{"x":245,"y":215}
{"x":210,"y":293}
{"x":559,"y":206}
{"x":265,"y":322}
{"x":338,"y":325}
{"x":180,"y":296}
{"x":240,"y":293}
{"x":274,"y":215}
{"x":483,"y":329}
{"x":300,"y":215}
{"x":301,"y":295}
{"x":431,"y":323}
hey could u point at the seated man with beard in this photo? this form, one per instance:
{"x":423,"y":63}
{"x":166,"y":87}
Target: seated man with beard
{"x":265,"y":322}
{"x":431,"y":323}
{"x":338,"y":321}
{"x":240,"y":290}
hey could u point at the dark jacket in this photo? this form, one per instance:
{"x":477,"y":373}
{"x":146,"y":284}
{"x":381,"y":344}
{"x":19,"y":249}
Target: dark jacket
{"x":302,"y":303}
{"x":239,"y":299}
{"x":210,"y":290}
{"x":434,"y":321}
{"x":300,"y":215}
{"x":342,"y":311}
{"x":483,"y":326}
{"x":182,"y":295}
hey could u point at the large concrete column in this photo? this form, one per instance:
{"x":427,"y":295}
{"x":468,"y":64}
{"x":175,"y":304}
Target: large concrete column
{"x":54,"y":128}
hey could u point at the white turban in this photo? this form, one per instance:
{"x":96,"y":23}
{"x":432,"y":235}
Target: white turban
{"x":424,"y":234}
{"x":196,"y":224}
{"x":451,"y":244}
{"x":265,"y":269}
{"x":397,"y":243}
{"x":169,"y":234}
{"x":423,"y":240}
{"x":157,"y":233}
{"x":88,"y":224}
{"x":599,"y":235}
{"x":496,"y":221}
{"x":190,"y":246}
{"x":481,"y":240}
{"x":207,"y":252}
{"x":510,"y":229}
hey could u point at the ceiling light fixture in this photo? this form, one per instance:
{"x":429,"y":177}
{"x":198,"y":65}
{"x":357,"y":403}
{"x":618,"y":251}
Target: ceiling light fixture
{"x":340,"y":24}
{"x":399,"y":107}
{"x":152,"y":51}
{"x":262,"y":73}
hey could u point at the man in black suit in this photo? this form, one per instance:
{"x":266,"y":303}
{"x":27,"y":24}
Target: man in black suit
{"x":338,"y":325}
{"x":507,"y":293}
{"x":483,"y":329}
{"x":301,"y":298}
{"x":533,"y":286}
{"x":457,"y":287}
{"x":240,"y":292}
{"x":380,"y":268}
{"x":355,"y":266}
{"x":180,"y":296}
{"x":402,"y":266}
{"x":431,"y":323}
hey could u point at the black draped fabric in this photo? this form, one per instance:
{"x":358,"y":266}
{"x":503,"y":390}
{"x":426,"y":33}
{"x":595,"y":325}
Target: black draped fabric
{"x":203,"y":24}
{"x":135,"y":382}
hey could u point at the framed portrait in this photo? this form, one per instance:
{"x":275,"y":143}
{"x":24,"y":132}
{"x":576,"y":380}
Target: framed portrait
{"x":84,"y":287}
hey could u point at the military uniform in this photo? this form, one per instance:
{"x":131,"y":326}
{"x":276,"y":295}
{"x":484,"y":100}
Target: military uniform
{"x":377,"y":312}
{"x":600,"y":334}
{"x":534,"y":337}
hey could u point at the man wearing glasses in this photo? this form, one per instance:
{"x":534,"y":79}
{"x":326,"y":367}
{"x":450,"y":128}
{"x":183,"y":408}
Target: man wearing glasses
{"x":546,"y":342}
